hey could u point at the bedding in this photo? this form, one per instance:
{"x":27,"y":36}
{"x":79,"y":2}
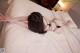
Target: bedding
{"x":77,"y":34}
{"x":65,"y":18}
{"x":19,"y":8}
{"x":18,"y":39}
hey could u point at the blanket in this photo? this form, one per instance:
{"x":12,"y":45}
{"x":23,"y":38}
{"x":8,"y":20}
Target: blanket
{"x":21,"y":40}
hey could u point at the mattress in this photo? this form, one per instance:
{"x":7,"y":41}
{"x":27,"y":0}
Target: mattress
{"x":19,"y":39}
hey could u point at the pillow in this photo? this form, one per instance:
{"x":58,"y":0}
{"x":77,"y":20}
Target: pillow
{"x":19,"y":8}
{"x":64,"y":17}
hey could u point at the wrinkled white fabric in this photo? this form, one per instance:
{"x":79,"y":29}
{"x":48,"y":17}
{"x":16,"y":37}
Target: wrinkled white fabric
{"x":19,"y":8}
{"x":18,"y":39}
{"x":21,"y":40}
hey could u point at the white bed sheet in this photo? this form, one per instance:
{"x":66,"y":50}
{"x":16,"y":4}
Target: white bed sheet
{"x":19,"y":39}
{"x":19,"y":8}
{"x":65,"y":17}
{"x":77,"y":34}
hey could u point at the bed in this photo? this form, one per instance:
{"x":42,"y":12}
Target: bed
{"x":19,"y":39}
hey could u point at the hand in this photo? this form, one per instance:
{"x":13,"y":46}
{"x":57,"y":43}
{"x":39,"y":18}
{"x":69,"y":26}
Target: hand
{"x":2,"y":17}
